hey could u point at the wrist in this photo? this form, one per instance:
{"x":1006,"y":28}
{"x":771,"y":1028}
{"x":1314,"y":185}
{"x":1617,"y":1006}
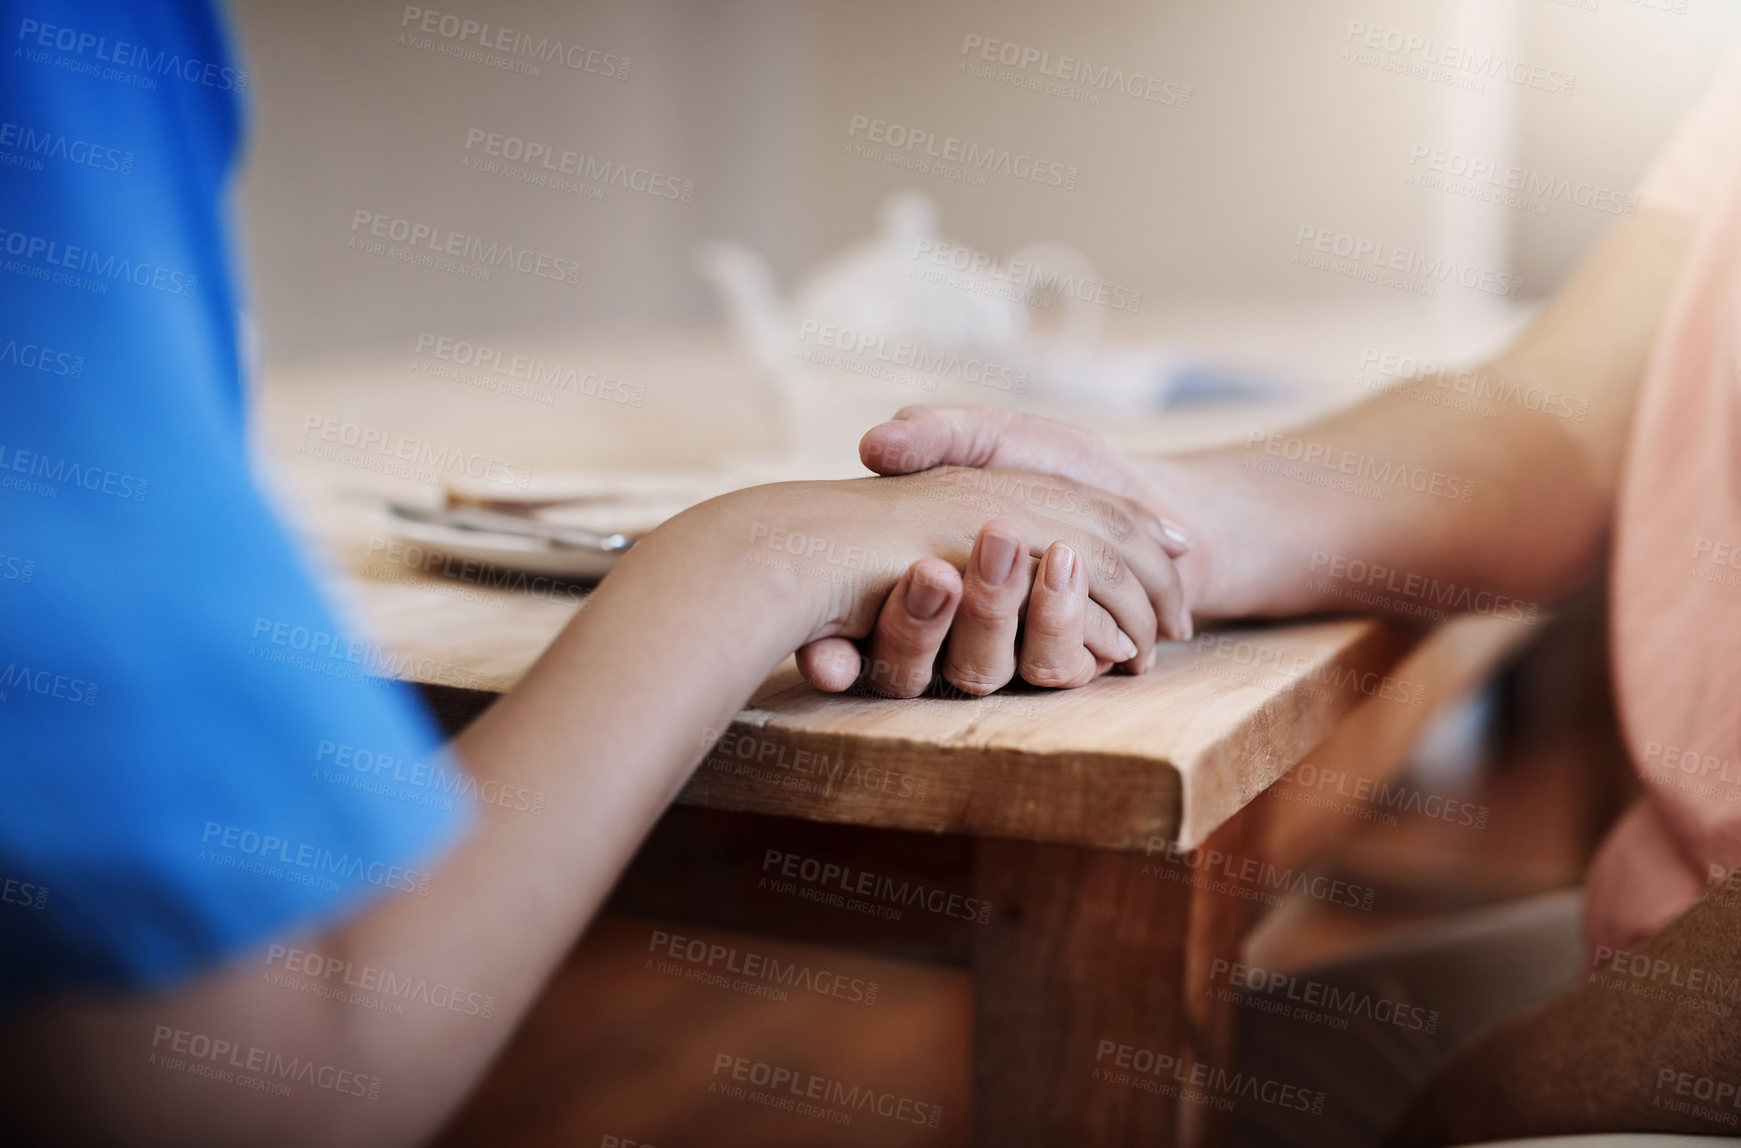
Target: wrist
{"x":1182,"y":493}
{"x":1250,"y":549}
{"x":746,"y":558}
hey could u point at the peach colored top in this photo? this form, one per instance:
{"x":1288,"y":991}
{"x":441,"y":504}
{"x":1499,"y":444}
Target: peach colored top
{"x":1677,"y":556}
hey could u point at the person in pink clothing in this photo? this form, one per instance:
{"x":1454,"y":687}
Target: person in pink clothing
{"x":1643,"y":478}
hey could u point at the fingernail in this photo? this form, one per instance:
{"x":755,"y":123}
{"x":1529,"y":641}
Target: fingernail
{"x":1126,"y":647}
{"x":1060,"y":561}
{"x":997,"y":559}
{"x":1174,"y":534}
{"x":924,"y":599}
{"x":1184,"y":623}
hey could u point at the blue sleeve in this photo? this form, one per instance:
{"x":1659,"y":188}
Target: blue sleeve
{"x":189,"y":744}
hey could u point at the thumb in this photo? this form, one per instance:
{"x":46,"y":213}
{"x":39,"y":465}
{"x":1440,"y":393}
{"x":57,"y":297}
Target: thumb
{"x":919,"y":438}
{"x":830,"y":664}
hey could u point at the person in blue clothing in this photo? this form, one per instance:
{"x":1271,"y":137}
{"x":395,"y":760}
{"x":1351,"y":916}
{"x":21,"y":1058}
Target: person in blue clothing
{"x":169,"y":835}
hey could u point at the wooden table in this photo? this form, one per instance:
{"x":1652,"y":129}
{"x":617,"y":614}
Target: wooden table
{"x":1123,"y":836}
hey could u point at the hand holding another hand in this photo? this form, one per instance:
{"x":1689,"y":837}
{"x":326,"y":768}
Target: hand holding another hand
{"x":1084,"y":571}
{"x":1003,"y":619}
{"x":1009,"y":614}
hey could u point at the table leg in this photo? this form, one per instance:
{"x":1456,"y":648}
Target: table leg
{"x":1093,"y":1001}
{"x":1082,"y":949}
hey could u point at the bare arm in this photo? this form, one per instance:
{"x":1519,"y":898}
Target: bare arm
{"x":607,"y":724}
{"x":1536,"y":527}
{"x":1542,"y":486}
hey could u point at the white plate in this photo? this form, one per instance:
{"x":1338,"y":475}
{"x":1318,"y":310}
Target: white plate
{"x":626,"y":502}
{"x":507,"y":551}
{"x":631,"y":504}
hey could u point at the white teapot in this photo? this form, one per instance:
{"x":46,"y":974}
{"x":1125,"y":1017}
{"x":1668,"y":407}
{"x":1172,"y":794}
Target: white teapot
{"x":908,"y":317}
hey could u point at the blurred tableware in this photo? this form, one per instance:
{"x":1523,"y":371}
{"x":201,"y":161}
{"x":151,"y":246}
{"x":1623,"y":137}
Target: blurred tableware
{"x":569,"y":526}
{"x":908,"y":316}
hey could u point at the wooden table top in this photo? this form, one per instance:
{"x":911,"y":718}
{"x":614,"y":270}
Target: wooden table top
{"x":1124,"y":763}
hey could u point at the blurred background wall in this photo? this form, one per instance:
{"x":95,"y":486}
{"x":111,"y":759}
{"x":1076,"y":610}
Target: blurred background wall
{"x":1289,"y":122}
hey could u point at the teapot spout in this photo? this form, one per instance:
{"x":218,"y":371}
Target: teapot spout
{"x":745,"y":284}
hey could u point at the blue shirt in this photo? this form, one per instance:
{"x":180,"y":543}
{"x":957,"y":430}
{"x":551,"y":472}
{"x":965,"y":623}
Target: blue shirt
{"x":190,"y":746}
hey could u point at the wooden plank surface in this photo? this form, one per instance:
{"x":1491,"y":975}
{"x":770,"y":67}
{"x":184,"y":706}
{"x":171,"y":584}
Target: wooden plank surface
{"x":1170,"y":755}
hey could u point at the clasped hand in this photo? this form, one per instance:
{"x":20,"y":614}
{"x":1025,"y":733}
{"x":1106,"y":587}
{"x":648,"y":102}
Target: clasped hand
{"x":976,"y":573}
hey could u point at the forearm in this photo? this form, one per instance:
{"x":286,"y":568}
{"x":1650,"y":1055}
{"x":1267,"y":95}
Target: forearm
{"x":606,"y":725}
{"x":1382,"y":500}
{"x":609,"y":724}
{"x":1517,"y":504}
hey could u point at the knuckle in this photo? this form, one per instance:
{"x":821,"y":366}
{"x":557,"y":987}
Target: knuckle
{"x":988,"y":607}
{"x":1107,"y":563}
{"x":904,"y":639}
{"x":976,"y":680}
{"x":1047,"y":674}
{"x":1047,"y":627}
